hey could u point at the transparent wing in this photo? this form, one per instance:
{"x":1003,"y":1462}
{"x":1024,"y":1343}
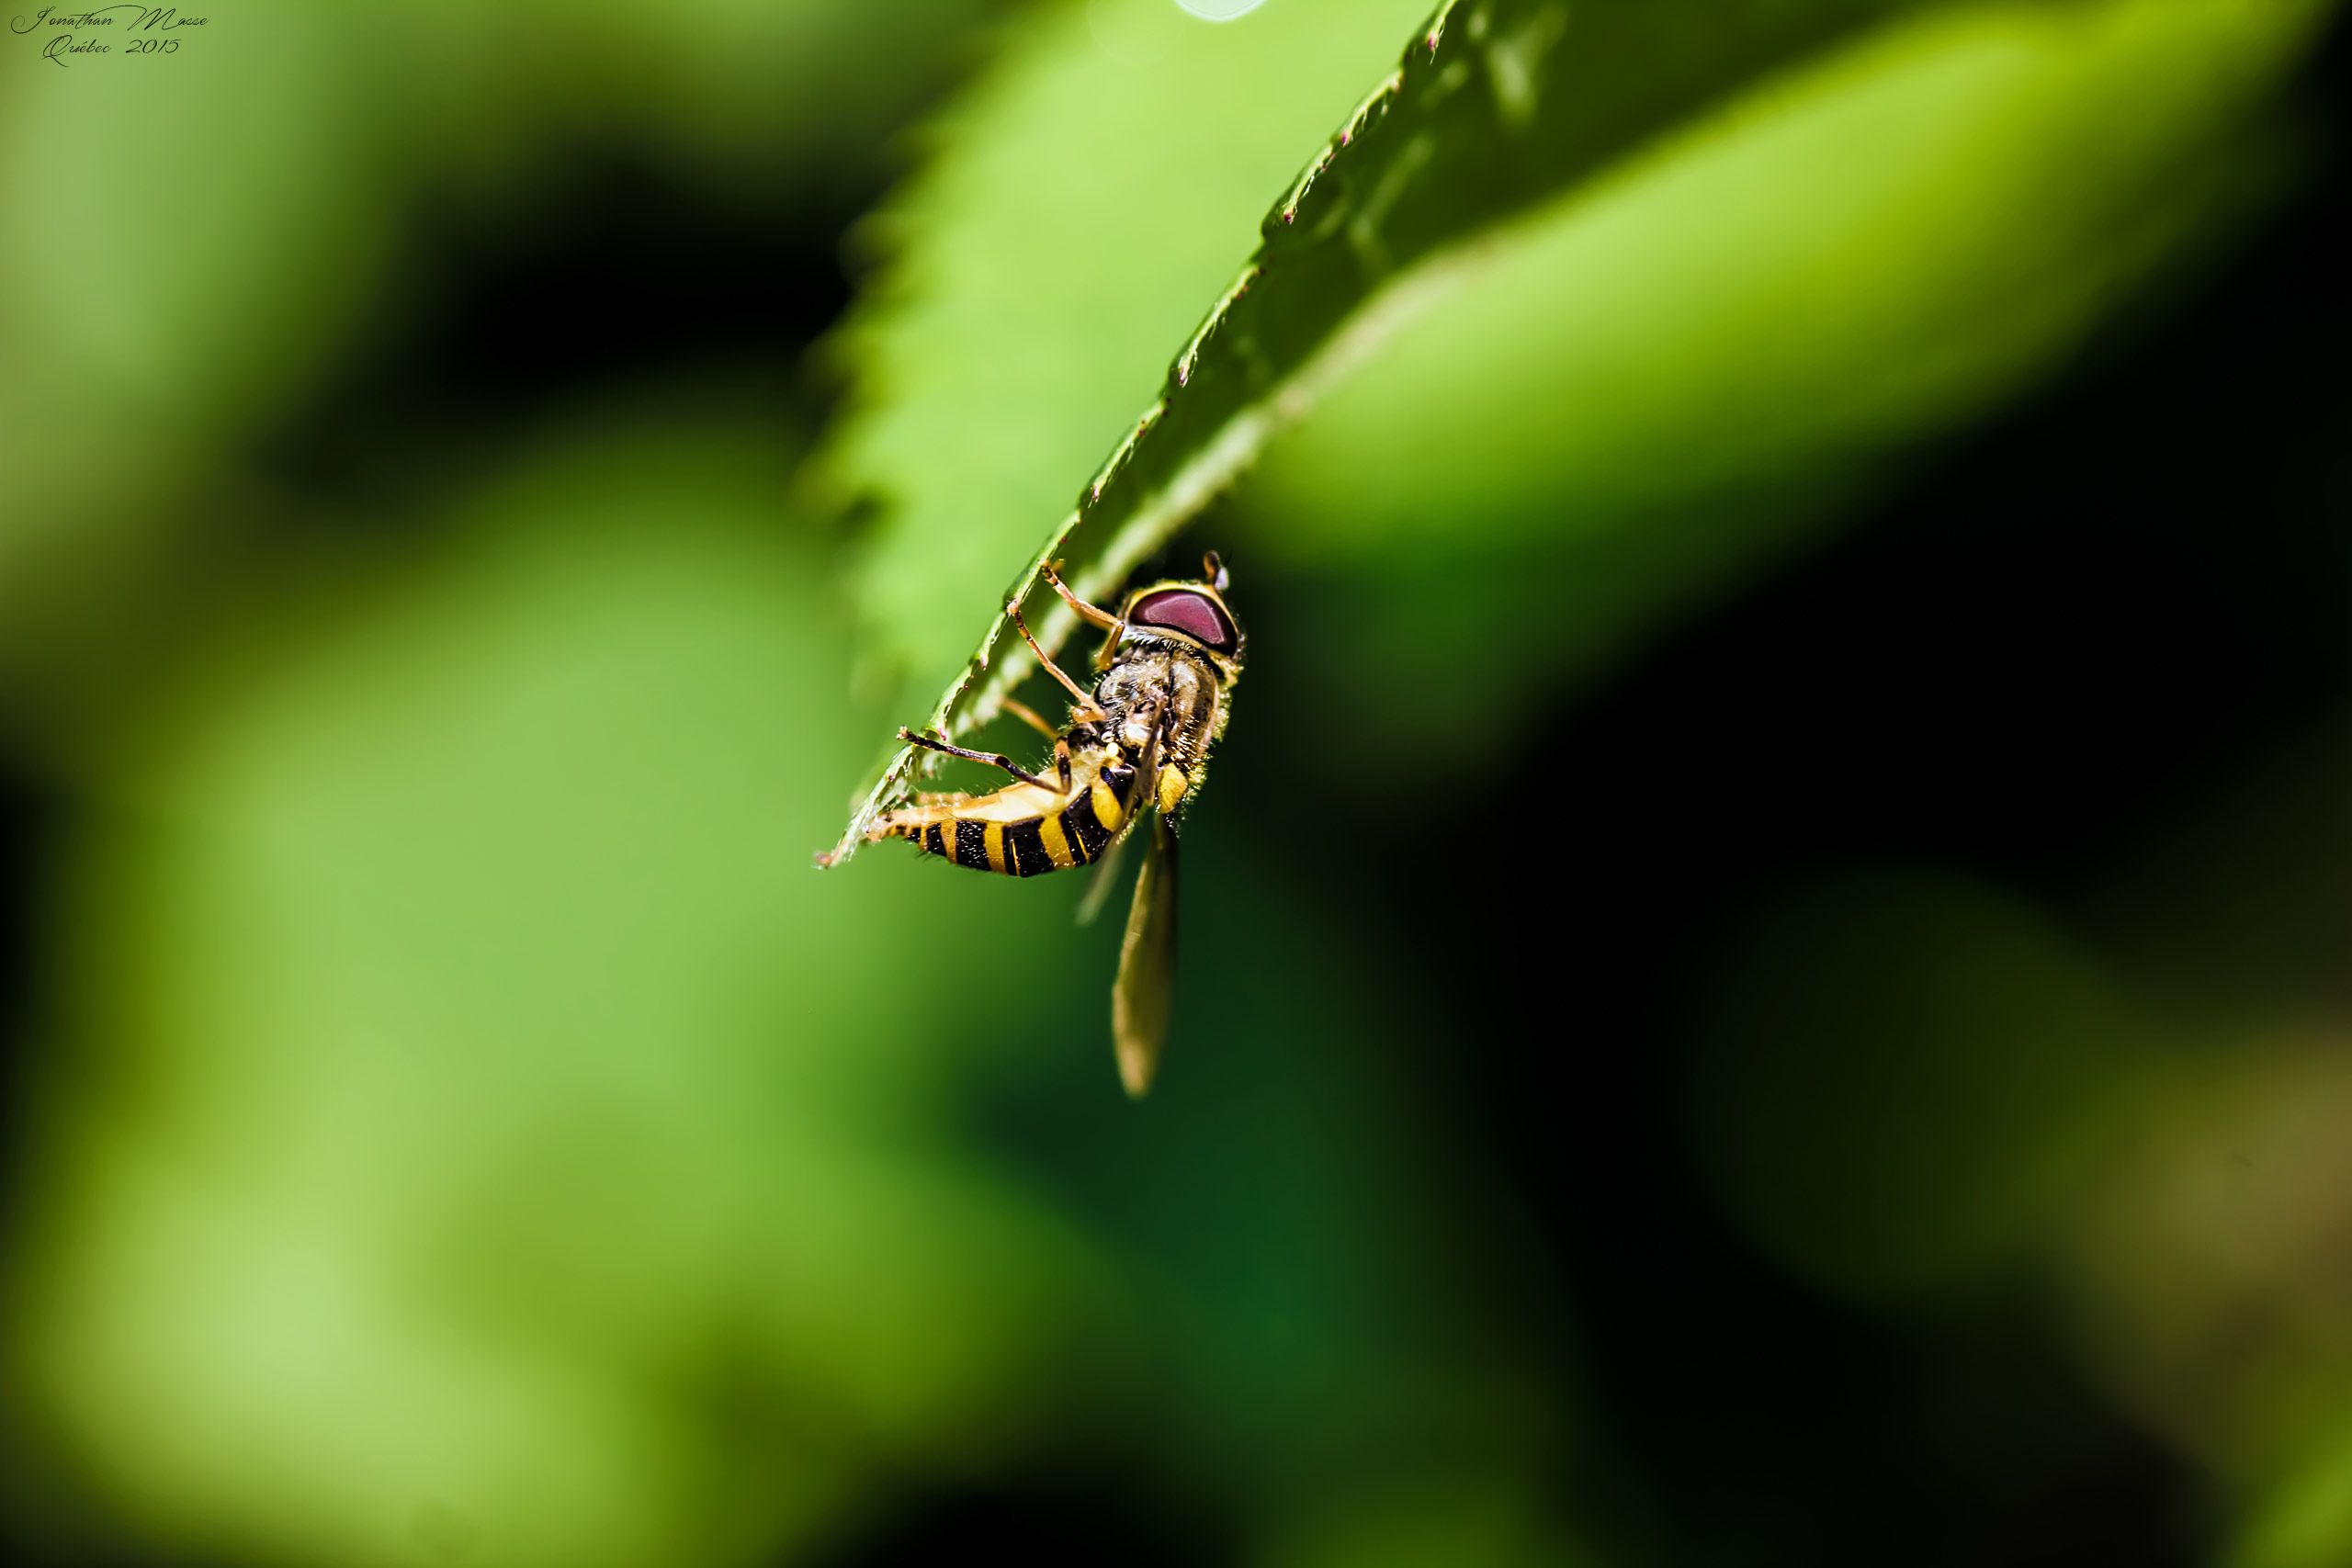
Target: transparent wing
{"x":1140,"y":997}
{"x":1100,"y":880}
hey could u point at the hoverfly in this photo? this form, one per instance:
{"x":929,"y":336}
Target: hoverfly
{"x":1137,"y":742}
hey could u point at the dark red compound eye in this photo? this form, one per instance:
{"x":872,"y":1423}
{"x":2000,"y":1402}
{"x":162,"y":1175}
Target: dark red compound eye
{"x":1191,"y":612}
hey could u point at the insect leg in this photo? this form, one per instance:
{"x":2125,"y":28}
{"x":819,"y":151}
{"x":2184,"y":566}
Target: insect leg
{"x":994,"y":759}
{"x":1093,"y":614}
{"x":1031,"y":718}
{"x":1085,"y":698}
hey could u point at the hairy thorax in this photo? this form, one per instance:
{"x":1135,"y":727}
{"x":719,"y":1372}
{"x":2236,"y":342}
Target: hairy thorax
{"x":1174,"y":683}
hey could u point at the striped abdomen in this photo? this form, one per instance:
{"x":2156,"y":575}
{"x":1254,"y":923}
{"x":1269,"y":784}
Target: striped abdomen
{"x":1078,"y":833}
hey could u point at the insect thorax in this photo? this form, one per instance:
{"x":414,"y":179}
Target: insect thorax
{"x":1180,"y":683}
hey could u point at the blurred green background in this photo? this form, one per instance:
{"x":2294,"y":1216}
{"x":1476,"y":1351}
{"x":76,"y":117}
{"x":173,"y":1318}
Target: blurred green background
{"x":1767,"y":962}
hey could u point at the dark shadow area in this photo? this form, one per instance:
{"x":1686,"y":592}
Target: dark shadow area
{"x":619,"y":281}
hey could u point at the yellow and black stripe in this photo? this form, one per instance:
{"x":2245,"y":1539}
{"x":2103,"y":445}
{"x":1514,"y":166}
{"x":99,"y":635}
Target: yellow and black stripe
{"x":1075,"y":835}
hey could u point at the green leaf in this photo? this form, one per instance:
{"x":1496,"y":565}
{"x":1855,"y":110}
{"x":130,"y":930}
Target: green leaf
{"x":1661,"y":383}
{"x":1656,"y":354}
{"x":1494,"y":106}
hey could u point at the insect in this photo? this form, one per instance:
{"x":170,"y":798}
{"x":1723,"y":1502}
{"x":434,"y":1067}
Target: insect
{"x":1135,"y":744}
